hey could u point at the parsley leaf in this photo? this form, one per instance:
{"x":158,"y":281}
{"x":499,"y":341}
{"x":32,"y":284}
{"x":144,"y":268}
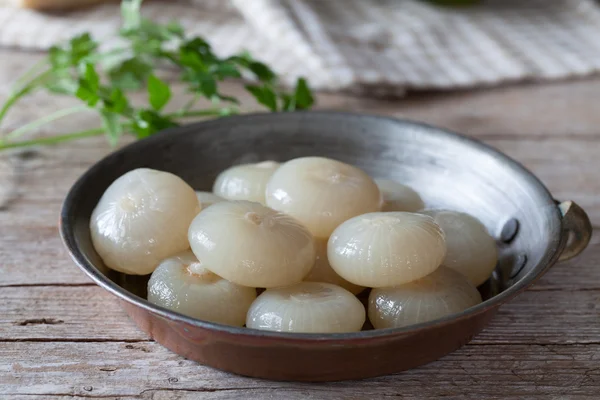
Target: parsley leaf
{"x":89,"y":83}
{"x":112,"y":125}
{"x":264,"y":95}
{"x":159,"y":93}
{"x":148,"y":122}
{"x":303,"y":95}
{"x":130,"y":74}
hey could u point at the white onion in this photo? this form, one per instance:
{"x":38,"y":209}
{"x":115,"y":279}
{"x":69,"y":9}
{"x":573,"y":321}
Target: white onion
{"x":309,"y":307}
{"x":321,"y":193}
{"x":398,"y":197}
{"x":252,"y":245}
{"x":245,"y":182}
{"x":443,"y":292}
{"x":322,"y":271}
{"x":181,"y":284}
{"x":207,"y":198}
{"x":141,"y":219}
{"x":471,"y":249}
{"x":386,"y":248}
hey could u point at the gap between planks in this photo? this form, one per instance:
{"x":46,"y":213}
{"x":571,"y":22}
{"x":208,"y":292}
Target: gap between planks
{"x":473,"y":343}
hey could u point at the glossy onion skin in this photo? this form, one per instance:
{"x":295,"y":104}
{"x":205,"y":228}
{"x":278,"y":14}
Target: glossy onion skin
{"x":308,"y":307}
{"x":398,"y":197}
{"x":443,"y":292}
{"x":321,"y":193}
{"x":322,"y":271}
{"x":252,"y":245}
{"x":141,"y":219}
{"x":471,"y":249}
{"x":386,"y":248}
{"x":207,"y":198}
{"x":180,"y":284}
{"x":245,"y":182}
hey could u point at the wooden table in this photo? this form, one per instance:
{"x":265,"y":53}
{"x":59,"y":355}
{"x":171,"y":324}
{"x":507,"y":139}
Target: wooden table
{"x":62,"y":336}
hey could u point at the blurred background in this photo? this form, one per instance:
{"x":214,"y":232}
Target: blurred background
{"x":377,"y":47}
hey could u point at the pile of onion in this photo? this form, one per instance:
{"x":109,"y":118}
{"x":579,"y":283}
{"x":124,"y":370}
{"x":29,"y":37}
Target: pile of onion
{"x":312,"y":234}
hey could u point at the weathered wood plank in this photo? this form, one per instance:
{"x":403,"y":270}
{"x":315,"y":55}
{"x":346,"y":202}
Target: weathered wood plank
{"x":64,"y":313}
{"x":569,"y":168}
{"x":89,"y":313}
{"x":151,"y":372}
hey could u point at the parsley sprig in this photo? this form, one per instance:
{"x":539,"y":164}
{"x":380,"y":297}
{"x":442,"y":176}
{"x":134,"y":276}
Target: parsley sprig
{"x":103,"y":79}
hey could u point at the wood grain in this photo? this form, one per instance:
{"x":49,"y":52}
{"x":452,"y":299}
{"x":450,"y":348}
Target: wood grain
{"x":71,"y":313}
{"x":62,"y":337}
{"x":146,"y":370}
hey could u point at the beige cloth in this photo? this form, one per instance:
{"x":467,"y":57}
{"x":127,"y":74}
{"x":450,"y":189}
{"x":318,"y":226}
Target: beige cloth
{"x":382,"y":46}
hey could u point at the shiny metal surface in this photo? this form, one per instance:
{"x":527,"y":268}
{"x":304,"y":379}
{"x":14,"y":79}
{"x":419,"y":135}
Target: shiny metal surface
{"x":448,"y":170}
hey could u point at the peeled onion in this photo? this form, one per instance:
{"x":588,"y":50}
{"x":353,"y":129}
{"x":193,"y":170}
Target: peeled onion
{"x":321,"y":193}
{"x":471,"y":249}
{"x":141,"y":219}
{"x":322,"y":271}
{"x":207,"y":198}
{"x":180,"y":283}
{"x":252,"y":245}
{"x":443,"y":292}
{"x":398,"y":197}
{"x":245,"y":182}
{"x":386,"y":248}
{"x":309,"y":307}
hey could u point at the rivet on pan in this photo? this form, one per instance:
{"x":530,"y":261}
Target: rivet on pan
{"x":520,"y":263}
{"x":509,"y":230}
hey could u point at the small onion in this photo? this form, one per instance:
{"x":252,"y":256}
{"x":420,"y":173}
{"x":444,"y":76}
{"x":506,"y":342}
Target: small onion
{"x":321,"y":193}
{"x":245,"y":182}
{"x":322,"y":271}
{"x":386,"y":248}
{"x":141,"y":219}
{"x":398,"y":197}
{"x":443,"y":292}
{"x":252,"y":245}
{"x":207,"y":198}
{"x":310,"y":307}
{"x":181,"y":284}
{"x":471,"y":249}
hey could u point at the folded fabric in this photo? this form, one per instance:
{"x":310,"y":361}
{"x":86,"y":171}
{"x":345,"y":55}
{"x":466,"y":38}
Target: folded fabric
{"x":378,"y":46}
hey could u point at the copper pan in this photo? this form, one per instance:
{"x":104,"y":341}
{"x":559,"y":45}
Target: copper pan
{"x":451,"y":171}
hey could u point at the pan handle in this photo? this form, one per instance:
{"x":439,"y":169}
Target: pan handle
{"x":577,"y":228}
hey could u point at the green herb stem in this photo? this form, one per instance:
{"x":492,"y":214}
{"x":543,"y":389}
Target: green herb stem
{"x":14,"y":97}
{"x":31,"y":71}
{"x":52,"y":139}
{"x":213,"y":112}
{"x":44,"y":120}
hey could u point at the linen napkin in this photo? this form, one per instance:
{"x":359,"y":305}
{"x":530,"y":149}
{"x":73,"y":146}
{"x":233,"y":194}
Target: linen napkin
{"x":381,"y":47}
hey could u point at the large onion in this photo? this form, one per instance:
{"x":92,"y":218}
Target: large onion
{"x":252,"y":245}
{"x":245,"y":182}
{"x":322,"y":271}
{"x":321,"y":193}
{"x":398,"y":197}
{"x":309,"y":307}
{"x":141,"y":219}
{"x":181,"y":284}
{"x":386,"y":249}
{"x":443,"y":292}
{"x":471,"y":249}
